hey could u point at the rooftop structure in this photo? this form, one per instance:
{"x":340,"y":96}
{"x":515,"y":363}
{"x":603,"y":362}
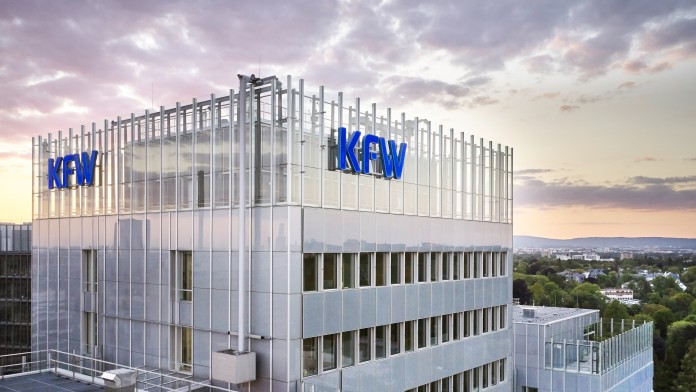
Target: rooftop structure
{"x":562,"y":349}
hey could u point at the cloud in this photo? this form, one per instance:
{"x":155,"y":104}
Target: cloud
{"x":627,"y":85}
{"x":646,"y":159}
{"x":569,"y":108}
{"x":662,"y":181}
{"x":532,"y":171}
{"x":649,"y":196}
{"x":546,"y":96}
{"x":690,"y":159}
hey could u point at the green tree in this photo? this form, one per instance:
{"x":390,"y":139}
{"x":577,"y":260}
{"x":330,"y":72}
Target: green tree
{"x":663,"y":318}
{"x":679,"y":303}
{"x":615,"y":310}
{"x":588,"y":296}
{"x":686,"y":378}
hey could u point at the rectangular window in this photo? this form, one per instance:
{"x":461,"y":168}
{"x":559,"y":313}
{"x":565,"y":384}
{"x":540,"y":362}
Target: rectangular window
{"x":434,"y":330}
{"x":476,"y":316}
{"x":456,"y":326}
{"x":90,"y":332}
{"x":475,"y":379}
{"x":503,"y":315}
{"x":395,"y":339}
{"x":348,"y":348}
{"x":422,"y":333}
{"x":89,"y":270}
{"x":467,"y":381}
{"x":185,"y":354}
{"x":445,"y":328}
{"x":434,"y":267}
{"x":434,"y":387}
{"x":329,"y":355}
{"x":330,"y":271}
{"x":310,"y":356}
{"x":396,"y":268}
{"x":494,"y":373}
{"x":484,"y":371}
{"x":185,"y":275}
{"x":456,"y":382}
{"x":486,"y":264}
{"x":485,"y":319}
{"x":422,"y":267}
{"x":467,"y":323}
{"x":444,"y":384}
{"x":494,"y":264}
{"x":310,"y":266}
{"x":476,"y":261}
{"x":456,"y":266}
{"x":381,"y":269}
{"x":348,"y":272}
{"x":381,"y":341}
{"x":494,"y":318}
{"x":410,"y":269}
{"x":409,"y":335}
{"x":467,"y":265}
{"x":502,"y":370}
{"x":365,"y":269}
{"x":364,"y":345}
{"x":503,"y":264}
{"x":446,"y":265}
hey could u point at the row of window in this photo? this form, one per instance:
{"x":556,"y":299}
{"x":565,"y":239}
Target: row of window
{"x":321,"y":353}
{"x":329,"y":271}
{"x":472,"y":380}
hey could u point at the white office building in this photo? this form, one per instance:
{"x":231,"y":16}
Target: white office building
{"x":373,"y":252}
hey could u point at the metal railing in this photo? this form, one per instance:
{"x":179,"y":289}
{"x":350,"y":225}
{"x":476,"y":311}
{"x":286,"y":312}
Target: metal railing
{"x":90,"y":369}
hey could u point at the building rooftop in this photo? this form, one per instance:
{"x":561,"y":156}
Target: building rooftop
{"x":545,"y":315}
{"x":46,"y":381}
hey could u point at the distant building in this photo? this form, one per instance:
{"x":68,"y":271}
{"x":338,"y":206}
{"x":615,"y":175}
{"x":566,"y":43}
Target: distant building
{"x":562,"y":257}
{"x":577,"y":257}
{"x":563,"y":349}
{"x":15,"y":290}
{"x":626,"y":255}
{"x":590,"y":257}
{"x":572,"y":275}
{"x":623,"y":295}
{"x":593,"y":273}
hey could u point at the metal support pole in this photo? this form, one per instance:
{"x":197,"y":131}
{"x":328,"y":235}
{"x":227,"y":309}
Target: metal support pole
{"x":241,"y":126}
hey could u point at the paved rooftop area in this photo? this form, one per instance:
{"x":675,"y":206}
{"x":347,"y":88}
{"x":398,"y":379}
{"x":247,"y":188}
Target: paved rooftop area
{"x":45,"y":382}
{"x":545,"y":315}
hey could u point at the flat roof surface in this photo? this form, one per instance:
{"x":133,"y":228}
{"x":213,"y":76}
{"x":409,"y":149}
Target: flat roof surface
{"x":547,"y":315}
{"x":44,"y":382}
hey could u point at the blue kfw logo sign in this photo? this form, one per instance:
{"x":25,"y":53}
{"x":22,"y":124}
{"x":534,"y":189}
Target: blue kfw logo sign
{"x":82,"y":167}
{"x":388,"y":160}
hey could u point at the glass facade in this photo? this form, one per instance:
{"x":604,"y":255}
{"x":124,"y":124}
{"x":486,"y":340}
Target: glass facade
{"x":187,"y":158}
{"x":348,"y":274}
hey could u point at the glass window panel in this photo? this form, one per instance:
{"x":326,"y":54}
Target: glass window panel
{"x":467,"y":265}
{"x":186,"y":349}
{"x":446,"y":266}
{"x":445,"y":328}
{"x":329,"y":352}
{"x":364,"y":345}
{"x":186,"y":276}
{"x":348,"y":348}
{"x":395,"y":268}
{"x":330,"y":271}
{"x":309,"y":269}
{"x":395,"y":339}
{"x":456,"y":266}
{"x":434,"y":267}
{"x":456,"y":326}
{"x":381,"y":269}
{"x":309,"y":357}
{"x":434,"y":330}
{"x":381,"y":341}
{"x":365,"y":269}
{"x":348,"y":273}
{"x":422,"y":333}
{"x":467,"y":323}
{"x":422,"y":267}
{"x":409,"y":335}
{"x":409,"y":268}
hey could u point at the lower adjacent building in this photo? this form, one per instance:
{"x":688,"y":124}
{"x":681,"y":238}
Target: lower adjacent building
{"x":565,"y":349}
{"x":15,"y":291}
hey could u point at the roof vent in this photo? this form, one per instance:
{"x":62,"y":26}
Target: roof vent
{"x":528,"y":313}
